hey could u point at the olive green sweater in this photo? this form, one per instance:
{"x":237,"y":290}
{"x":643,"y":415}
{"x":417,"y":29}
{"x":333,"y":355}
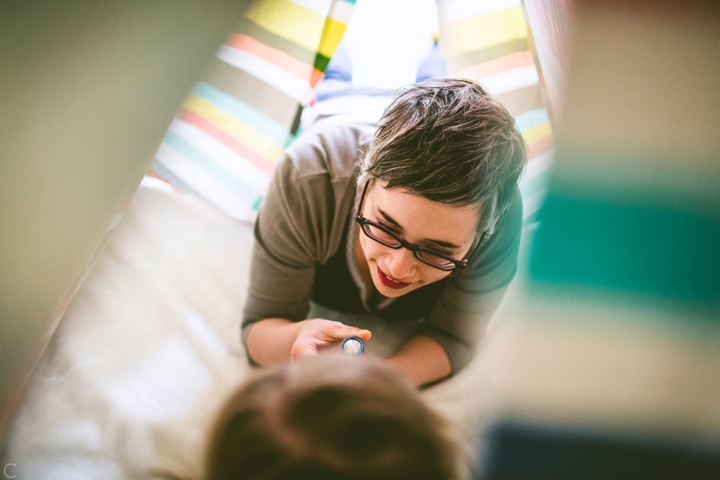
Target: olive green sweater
{"x":304,"y":220}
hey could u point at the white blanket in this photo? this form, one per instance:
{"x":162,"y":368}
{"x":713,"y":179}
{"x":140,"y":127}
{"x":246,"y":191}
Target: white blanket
{"x":150,"y":347}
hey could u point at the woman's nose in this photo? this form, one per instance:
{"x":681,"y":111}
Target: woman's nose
{"x":401,"y":263}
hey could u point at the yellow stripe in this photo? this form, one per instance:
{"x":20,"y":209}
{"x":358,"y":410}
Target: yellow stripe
{"x":332,"y":35}
{"x":240,"y":130}
{"x":486,"y":30}
{"x":289,"y":21}
{"x":532,"y":135}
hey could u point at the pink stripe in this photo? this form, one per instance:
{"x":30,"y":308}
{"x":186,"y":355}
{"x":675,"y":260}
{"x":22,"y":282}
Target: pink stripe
{"x":276,"y":57}
{"x":260,"y":161}
{"x":499,"y":65}
{"x":543,"y":145}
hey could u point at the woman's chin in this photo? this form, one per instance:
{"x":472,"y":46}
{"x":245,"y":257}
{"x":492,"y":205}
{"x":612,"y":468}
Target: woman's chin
{"x":389,"y":292}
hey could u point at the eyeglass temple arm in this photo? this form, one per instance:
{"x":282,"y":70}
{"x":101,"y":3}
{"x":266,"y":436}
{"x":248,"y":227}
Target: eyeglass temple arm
{"x":362,"y":199}
{"x":475,"y":251}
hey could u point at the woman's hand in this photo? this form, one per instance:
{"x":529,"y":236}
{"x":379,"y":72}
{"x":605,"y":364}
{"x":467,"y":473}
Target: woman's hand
{"x":317,"y":333}
{"x":272,"y":341}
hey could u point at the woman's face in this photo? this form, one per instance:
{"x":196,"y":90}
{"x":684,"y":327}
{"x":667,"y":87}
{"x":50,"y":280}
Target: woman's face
{"x":448,"y":229}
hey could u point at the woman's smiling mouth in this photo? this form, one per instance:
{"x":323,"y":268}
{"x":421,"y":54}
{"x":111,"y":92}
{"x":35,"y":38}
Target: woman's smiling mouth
{"x":389,"y":281}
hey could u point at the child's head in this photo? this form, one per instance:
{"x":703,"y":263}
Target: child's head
{"x":451,"y":142}
{"x":330,"y":417}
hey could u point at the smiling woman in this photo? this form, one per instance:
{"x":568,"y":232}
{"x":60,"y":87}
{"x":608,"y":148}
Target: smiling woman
{"x":413,"y":223}
{"x":394,"y":269}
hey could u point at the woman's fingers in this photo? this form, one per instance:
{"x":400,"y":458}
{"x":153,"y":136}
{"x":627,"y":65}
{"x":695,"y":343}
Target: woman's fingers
{"x":341,"y":331}
{"x":303,"y":348}
{"x":318,"y":333}
{"x":364,"y":335}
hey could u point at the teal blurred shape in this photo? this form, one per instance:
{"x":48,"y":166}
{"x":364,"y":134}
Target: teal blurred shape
{"x":645,"y":233}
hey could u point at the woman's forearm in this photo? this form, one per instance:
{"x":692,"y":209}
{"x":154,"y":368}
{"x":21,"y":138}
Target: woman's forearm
{"x":422,"y":360}
{"x":270,"y":341}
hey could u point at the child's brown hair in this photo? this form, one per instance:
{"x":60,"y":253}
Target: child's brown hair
{"x":330,"y":417}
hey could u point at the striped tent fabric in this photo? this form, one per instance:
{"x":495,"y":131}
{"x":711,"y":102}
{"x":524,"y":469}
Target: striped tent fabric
{"x":233,"y":127}
{"x":488,"y":41}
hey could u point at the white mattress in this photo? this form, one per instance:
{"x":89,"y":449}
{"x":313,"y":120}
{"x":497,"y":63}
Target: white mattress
{"x":150,"y":346}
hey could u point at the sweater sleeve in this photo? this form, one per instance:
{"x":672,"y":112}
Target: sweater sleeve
{"x":300,"y":223}
{"x":283,"y":258}
{"x":467,"y":304}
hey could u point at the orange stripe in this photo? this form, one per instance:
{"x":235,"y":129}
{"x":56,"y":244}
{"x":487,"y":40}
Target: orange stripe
{"x":154,"y":174}
{"x":276,"y":57}
{"x":317,"y":75}
{"x":499,"y":65}
{"x":125,"y":202}
{"x":543,"y":145}
{"x":260,"y":161}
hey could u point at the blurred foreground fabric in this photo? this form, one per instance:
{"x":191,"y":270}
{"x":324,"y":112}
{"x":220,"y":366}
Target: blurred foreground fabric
{"x":87,"y":90}
{"x":607,"y":359}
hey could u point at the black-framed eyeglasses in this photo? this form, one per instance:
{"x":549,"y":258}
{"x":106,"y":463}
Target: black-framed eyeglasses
{"x":384,"y":236}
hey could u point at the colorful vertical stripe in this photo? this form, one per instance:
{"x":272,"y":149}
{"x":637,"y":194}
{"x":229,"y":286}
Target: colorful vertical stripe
{"x":313,"y":24}
{"x":236,"y":123}
{"x":487,"y":41}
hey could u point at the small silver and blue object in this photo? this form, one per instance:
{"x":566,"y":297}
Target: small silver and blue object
{"x":352,"y":346}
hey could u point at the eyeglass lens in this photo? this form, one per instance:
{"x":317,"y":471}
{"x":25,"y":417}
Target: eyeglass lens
{"x":390,"y":240}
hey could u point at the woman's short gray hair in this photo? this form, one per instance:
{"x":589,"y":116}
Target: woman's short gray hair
{"x":449,"y":141}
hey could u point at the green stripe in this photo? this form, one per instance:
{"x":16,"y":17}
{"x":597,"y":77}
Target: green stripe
{"x":321,"y":62}
{"x":530,"y":119}
{"x":633,"y":233}
{"x":243,"y":112}
{"x":253,"y":91}
{"x":258,"y":202}
{"x":243,"y":190}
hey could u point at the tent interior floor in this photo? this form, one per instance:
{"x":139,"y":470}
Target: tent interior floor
{"x":150,"y":346}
